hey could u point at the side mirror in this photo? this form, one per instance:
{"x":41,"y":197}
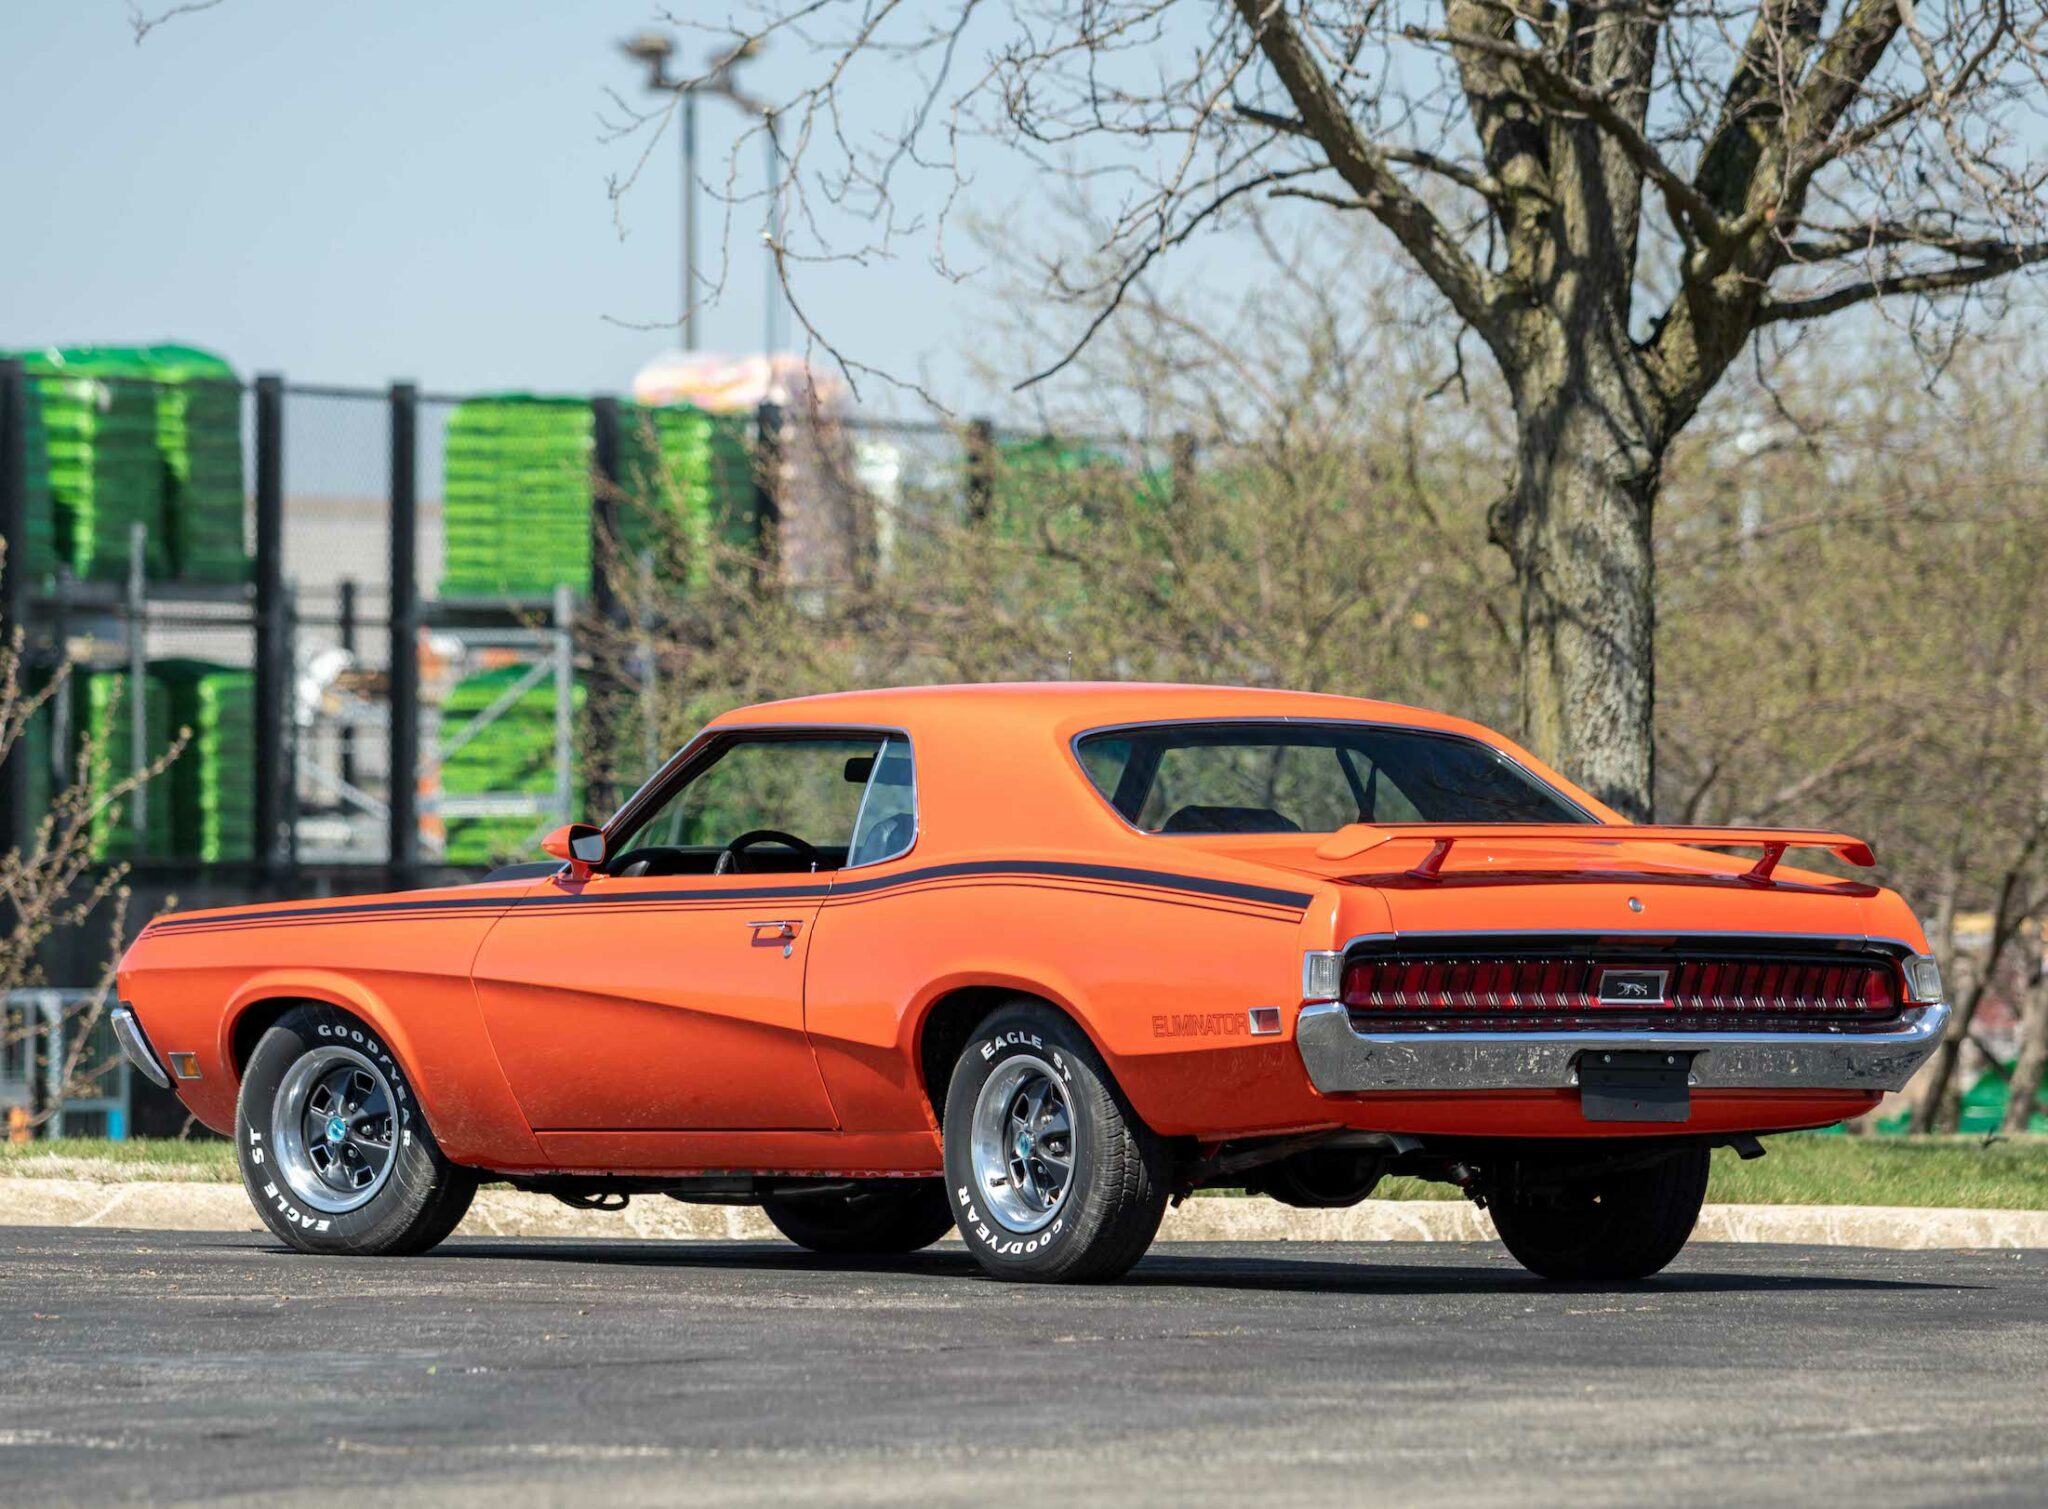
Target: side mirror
{"x":580,"y":844}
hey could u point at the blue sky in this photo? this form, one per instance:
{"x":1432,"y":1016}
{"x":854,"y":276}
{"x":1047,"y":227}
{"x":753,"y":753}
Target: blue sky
{"x":352,"y":193}
{"x":388,"y":188}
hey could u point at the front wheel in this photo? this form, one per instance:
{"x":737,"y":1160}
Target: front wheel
{"x":1606,"y":1227}
{"x":883,"y":1219}
{"x":334,"y":1149}
{"x":1052,"y":1176}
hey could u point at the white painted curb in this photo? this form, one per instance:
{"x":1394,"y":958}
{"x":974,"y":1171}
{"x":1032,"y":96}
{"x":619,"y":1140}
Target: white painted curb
{"x":148,"y":1205}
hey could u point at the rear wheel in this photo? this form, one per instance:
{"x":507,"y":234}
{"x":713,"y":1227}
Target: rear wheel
{"x":1612,"y":1226}
{"x":1052,"y":1176}
{"x":891,"y":1216}
{"x":334,"y":1149}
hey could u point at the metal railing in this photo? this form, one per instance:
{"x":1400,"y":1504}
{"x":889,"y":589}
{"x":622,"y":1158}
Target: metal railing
{"x":61,"y":1071}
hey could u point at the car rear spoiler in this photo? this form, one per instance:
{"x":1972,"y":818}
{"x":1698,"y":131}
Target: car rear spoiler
{"x":1360,"y":838}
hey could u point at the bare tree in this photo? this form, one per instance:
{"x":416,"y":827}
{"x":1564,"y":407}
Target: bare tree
{"x":53,"y":881}
{"x":1614,"y":197}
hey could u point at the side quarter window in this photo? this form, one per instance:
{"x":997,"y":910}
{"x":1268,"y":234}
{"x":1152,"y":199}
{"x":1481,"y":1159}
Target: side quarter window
{"x":887,"y":825}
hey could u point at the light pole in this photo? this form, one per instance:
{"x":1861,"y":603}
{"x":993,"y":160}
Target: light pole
{"x":653,"y":49}
{"x":771,"y":295}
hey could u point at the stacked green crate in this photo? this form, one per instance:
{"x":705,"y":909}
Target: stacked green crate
{"x":39,"y":547}
{"x":688,"y":484}
{"x":513,"y":754}
{"x":515,"y":500}
{"x":516,"y":492}
{"x":213,"y":783}
{"x":199,"y":436}
{"x":98,"y":412}
{"x":729,"y":480}
{"x":106,"y":719}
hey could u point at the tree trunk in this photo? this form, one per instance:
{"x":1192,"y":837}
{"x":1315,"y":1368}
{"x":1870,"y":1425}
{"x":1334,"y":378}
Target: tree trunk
{"x":2027,"y":1073}
{"x":1576,"y":525}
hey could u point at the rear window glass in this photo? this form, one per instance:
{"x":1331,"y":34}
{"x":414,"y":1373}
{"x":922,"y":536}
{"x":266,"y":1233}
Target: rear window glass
{"x":1309,"y":778}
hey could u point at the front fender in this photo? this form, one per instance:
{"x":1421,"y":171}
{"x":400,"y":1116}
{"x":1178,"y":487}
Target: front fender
{"x":453,"y":1069}
{"x":279,"y":985}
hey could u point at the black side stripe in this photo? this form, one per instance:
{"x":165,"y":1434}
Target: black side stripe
{"x":1197,"y":885}
{"x":1067,"y":870}
{"x":459,"y":904}
{"x":199,"y":921}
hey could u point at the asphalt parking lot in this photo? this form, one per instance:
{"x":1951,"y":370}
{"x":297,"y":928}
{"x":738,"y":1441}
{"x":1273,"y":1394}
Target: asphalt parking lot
{"x":168,"y":1367}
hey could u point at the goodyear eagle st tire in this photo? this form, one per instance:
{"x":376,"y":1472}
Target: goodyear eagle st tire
{"x":335,"y":1151}
{"x":1608,"y":1228}
{"x":886,"y":1217}
{"x":1051,"y":1175}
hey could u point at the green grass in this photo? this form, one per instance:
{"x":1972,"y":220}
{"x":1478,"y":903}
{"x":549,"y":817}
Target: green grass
{"x":1805,"y":1169}
{"x":2004,"y":1174}
{"x":2007,"y":1173}
{"x":198,"y":1160}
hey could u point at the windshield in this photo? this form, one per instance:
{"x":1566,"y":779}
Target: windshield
{"x":1309,"y":778}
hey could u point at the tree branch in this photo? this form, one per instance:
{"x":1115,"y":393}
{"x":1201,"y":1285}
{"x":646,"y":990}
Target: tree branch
{"x":143,"y":25}
{"x":1936,"y":280}
{"x":1464,"y":177}
{"x":1849,"y":241}
{"x":1135,"y":269}
{"x":1688,"y":207}
{"x":1511,"y":137}
{"x":1366,"y":169}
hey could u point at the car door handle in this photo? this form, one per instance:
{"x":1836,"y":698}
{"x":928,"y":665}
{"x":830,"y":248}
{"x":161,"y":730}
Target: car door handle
{"x":783,"y":929}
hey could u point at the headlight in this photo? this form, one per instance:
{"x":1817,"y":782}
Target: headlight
{"x":1923,"y":980}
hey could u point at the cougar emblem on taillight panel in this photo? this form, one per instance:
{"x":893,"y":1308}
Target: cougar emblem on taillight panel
{"x":1632,"y":987}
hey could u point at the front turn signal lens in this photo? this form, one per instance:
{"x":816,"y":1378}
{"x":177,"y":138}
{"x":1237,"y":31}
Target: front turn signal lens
{"x":1923,"y":980}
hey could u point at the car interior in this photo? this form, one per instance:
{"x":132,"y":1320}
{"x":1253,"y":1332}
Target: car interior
{"x":780,"y":805}
{"x":1308,"y":778}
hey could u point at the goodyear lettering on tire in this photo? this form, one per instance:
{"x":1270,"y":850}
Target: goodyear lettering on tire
{"x":1002,"y":1243}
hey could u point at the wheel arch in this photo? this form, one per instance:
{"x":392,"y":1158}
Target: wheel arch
{"x":262,"y":1001}
{"x":949,"y":1016}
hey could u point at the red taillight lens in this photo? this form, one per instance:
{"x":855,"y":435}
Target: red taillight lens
{"x":1464,"y":986}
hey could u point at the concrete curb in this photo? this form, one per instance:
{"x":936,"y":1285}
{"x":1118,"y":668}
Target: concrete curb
{"x":149,"y":1205}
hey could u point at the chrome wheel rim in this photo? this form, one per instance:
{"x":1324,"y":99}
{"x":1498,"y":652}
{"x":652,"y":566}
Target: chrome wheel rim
{"x":334,"y":1129}
{"x":1022,"y":1144}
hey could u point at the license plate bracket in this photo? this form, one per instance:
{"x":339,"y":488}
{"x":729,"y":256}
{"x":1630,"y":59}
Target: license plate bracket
{"x":1635,"y":1085}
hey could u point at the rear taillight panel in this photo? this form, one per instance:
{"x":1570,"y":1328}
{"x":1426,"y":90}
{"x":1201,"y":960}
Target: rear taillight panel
{"x":1605,"y":990}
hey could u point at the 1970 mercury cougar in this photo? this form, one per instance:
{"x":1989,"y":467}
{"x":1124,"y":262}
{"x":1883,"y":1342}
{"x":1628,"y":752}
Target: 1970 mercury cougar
{"x":1036,"y":960}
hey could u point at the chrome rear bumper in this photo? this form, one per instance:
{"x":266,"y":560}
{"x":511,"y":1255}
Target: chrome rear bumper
{"x":1344,"y":1061}
{"x":128,"y":1033}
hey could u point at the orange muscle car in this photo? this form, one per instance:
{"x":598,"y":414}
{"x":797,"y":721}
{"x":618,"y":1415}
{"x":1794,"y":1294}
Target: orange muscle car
{"x":1033,"y":961}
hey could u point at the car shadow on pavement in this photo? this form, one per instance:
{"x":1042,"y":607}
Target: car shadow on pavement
{"x":1475,"y":1270}
{"x":1367,"y":1275}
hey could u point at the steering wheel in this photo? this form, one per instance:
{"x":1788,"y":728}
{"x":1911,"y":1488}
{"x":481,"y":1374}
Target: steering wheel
{"x":729,"y":861}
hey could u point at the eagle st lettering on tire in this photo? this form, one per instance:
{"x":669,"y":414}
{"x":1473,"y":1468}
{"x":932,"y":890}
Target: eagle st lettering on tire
{"x":1054,"y":1177}
{"x":335,"y":1154}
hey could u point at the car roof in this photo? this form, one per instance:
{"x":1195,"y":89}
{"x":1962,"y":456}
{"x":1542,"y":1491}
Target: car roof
{"x":1013,"y":738}
{"x":959,"y":719}
{"x":1055,"y":704}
